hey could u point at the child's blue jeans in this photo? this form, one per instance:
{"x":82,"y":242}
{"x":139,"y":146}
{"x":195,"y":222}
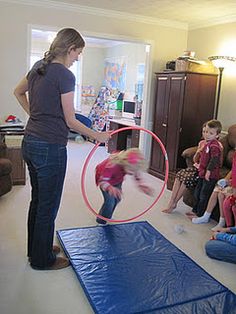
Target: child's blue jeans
{"x":108,"y":206}
{"x":221,"y":250}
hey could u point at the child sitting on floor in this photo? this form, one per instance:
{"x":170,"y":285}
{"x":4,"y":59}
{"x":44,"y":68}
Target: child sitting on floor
{"x":110,"y":175}
{"x":222,"y":245}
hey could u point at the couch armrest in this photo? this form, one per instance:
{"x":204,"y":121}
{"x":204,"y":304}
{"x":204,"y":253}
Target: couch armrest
{"x":3,"y":150}
{"x":188,"y":154}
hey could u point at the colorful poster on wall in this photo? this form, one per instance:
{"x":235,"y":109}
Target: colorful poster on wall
{"x":115,"y":73}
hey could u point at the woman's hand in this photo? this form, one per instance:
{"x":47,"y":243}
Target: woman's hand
{"x":103,"y":137}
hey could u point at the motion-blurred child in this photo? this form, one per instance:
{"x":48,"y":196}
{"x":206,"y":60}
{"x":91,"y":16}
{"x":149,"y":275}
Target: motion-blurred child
{"x":110,"y":175}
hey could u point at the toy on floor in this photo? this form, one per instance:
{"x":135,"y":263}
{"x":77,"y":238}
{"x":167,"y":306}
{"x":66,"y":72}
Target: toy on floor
{"x":179,"y":228}
{"x":89,"y":158}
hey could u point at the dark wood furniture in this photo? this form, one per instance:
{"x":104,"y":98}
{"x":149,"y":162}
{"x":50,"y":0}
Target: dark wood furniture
{"x":125,"y":139}
{"x":18,"y":165}
{"x":184,"y":101}
{"x":14,"y":154}
{"x":5,"y":171}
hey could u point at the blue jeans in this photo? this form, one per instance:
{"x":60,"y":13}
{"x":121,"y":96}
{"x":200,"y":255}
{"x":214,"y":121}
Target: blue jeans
{"x":202,"y":194}
{"x":47,"y":167}
{"x":221,"y":251}
{"x":108,"y":206}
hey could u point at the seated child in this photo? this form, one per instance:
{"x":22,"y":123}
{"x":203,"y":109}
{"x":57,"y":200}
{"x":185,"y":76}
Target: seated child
{"x":209,"y":168}
{"x":220,"y":192}
{"x":222,"y":245}
{"x":110,"y":175}
{"x":186,"y":178}
{"x":229,"y":208}
{"x":229,"y":205}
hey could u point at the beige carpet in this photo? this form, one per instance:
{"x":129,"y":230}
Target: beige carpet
{"x":26,"y":291}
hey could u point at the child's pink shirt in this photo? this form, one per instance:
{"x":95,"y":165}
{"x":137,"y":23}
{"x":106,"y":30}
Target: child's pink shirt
{"x":212,"y":149}
{"x":108,"y":172}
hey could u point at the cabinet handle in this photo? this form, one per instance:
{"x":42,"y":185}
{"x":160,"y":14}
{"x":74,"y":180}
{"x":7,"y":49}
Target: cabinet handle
{"x":164,"y":124}
{"x":176,"y":78}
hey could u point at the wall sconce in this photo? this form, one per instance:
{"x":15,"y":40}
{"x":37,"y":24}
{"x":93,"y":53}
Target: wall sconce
{"x":220,"y":62}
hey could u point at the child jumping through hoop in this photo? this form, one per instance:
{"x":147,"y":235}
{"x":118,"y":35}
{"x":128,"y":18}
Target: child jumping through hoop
{"x":110,"y":175}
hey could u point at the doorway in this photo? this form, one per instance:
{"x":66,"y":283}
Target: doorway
{"x":96,"y":69}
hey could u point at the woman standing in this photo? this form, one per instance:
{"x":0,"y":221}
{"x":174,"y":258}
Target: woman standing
{"x":50,"y":105}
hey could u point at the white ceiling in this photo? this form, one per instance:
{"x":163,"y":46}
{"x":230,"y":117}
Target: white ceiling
{"x":196,"y":13}
{"x":185,"y":14}
{"x":189,"y":14}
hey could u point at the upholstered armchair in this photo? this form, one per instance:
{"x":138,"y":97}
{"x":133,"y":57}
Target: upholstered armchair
{"x":229,"y":144}
{"x":5,"y":171}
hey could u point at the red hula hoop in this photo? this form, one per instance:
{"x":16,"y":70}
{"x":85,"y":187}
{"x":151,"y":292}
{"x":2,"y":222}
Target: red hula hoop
{"x":90,"y":156}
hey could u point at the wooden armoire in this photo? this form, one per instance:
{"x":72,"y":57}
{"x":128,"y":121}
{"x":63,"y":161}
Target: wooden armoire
{"x":184,"y":101}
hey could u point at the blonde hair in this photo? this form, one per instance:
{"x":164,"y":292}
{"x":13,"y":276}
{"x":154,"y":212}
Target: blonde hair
{"x":131,"y":158}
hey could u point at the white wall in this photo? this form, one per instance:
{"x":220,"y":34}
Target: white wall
{"x":133,"y":54}
{"x":167,"y":43}
{"x":213,"y":41}
{"x":93,"y":67}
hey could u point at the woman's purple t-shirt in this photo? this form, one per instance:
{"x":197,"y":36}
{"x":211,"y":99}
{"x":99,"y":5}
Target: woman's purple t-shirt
{"x":47,"y":120}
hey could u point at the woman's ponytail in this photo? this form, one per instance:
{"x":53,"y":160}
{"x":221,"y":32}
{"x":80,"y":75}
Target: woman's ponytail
{"x":48,"y":57}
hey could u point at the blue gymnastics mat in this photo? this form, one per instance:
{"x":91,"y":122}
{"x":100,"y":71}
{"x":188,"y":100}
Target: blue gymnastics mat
{"x":131,"y":268}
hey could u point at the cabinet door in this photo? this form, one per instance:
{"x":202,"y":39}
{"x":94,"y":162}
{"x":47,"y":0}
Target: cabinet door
{"x":160,"y":122}
{"x":167,"y":120}
{"x":175,"y":109}
{"x":199,"y":103}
